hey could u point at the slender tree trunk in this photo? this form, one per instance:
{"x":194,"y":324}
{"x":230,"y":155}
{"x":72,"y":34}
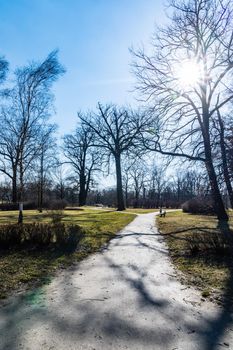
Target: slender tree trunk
{"x":126,"y":195}
{"x":82,"y":197}
{"x":21,"y":184}
{"x":14,"y":186}
{"x":224,"y":160}
{"x":41,"y":195}
{"x":61,"y":190}
{"x":136,"y":198}
{"x":41,"y":185}
{"x":120,"y":196}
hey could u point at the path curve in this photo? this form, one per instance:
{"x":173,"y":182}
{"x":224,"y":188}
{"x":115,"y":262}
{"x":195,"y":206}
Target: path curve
{"x":125,"y":297}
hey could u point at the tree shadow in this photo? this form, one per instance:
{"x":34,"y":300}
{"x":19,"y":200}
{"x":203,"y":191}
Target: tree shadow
{"x":218,"y":326}
{"x":75,"y":316}
{"x":112,"y":326}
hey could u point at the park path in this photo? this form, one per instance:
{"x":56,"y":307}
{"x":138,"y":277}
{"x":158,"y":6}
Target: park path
{"x":124,"y":297}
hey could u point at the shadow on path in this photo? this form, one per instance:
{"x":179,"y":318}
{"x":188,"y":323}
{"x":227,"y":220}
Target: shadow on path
{"x":114,"y":299}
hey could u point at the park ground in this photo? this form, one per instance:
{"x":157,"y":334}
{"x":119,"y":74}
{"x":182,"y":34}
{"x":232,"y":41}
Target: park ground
{"x":125,"y":296}
{"x":210,"y":267}
{"x":23,"y":268}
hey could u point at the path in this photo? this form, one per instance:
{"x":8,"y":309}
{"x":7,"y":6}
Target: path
{"x":126,"y":297}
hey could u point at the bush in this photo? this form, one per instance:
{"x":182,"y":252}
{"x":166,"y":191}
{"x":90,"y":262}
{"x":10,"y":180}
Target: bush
{"x":15,"y":206}
{"x":56,"y":215}
{"x":58,"y":204}
{"x":38,"y":234}
{"x":213,"y":242}
{"x":10,"y":235}
{"x":199,"y":205}
{"x":68,"y":236}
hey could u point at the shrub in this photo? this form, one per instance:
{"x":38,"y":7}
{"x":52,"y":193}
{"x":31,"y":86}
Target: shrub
{"x":213,"y":242}
{"x":68,"y":236}
{"x":56,"y":215}
{"x":10,"y":235}
{"x":58,"y":204}
{"x":199,"y":205}
{"x":9,"y":206}
{"x":15,"y":206}
{"x":37,"y":234}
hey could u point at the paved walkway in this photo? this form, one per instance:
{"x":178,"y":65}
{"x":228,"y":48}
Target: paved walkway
{"x":126,"y":297}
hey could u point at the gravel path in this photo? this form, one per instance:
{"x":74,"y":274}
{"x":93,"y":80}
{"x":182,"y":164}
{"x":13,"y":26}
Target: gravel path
{"x":125,"y":297}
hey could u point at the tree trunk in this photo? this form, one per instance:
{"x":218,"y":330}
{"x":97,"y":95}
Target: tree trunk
{"x":215,"y":191}
{"x":21,"y":184}
{"x":224,"y":160}
{"x":216,"y":195}
{"x":82,"y":196}
{"x":126,"y":195}
{"x":136,"y":198}
{"x":41,"y":184}
{"x":120,"y":197}
{"x":14,"y":186}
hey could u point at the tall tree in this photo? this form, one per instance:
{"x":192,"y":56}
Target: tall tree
{"x":24,"y":115}
{"x":116,"y":131}
{"x":83,"y":157}
{"x":229,"y":150}
{"x":3,"y":69}
{"x":157,"y":183}
{"x":46,"y":159}
{"x":188,"y":78}
{"x":223,"y":152}
{"x":138,"y":175}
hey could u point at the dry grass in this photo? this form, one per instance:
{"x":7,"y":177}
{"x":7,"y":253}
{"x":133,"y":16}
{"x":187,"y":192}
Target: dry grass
{"x":24,"y":267}
{"x":140,"y":210}
{"x":209,"y":271}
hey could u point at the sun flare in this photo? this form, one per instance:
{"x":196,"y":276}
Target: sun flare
{"x":188,"y":74}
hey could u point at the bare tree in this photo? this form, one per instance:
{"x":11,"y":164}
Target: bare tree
{"x":126,"y":165}
{"x":229,"y":150}
{"x":157,"y":183}
{"x":24,"y":115}
{"x":3,"y":69}
{"x":46,"y":159}
{"x":188,"y":78}
{"x":60,"y":176}
{"x":221,"y":135}
{"x":138,"y":174}
{"x":116,"y":132}
{"x":83,"y":157}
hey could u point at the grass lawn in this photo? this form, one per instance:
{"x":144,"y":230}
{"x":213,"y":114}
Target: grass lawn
{"x":20,"y":268}
{"x":140,"y":211}
{"x":209,"y":271}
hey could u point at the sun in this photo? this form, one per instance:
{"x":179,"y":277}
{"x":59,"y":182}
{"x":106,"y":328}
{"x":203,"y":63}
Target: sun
{"x":188,"y":74}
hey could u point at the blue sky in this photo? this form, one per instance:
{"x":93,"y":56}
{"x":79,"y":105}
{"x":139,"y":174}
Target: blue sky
{"x":93,"y":37}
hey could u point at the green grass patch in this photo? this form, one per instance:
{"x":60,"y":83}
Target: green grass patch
{"x":23,"y":267}
{"x":140,"y":210}
{"x":209,"y":268}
